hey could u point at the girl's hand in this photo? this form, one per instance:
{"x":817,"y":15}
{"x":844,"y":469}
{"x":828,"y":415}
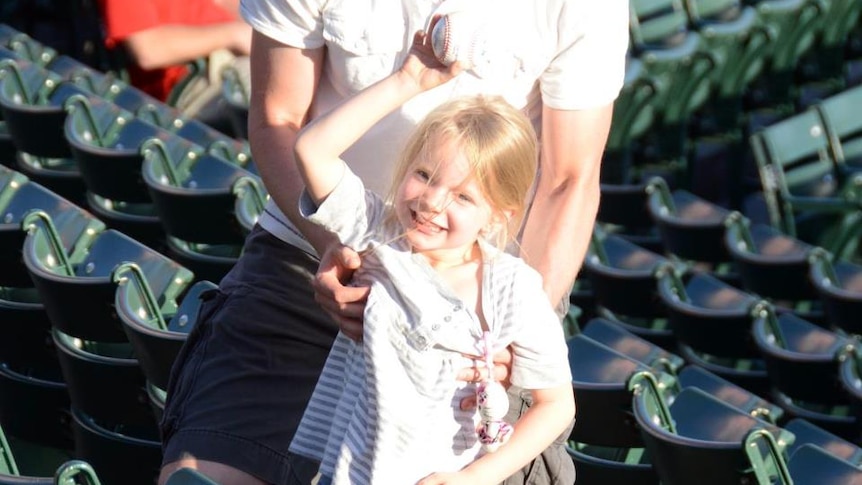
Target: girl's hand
{"x":423,"y":67}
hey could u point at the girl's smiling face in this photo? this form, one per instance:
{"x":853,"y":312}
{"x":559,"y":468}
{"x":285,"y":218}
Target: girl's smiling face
{"x":441,"y":205}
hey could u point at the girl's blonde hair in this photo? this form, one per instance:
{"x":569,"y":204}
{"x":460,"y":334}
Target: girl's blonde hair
{"x":497,"y":139}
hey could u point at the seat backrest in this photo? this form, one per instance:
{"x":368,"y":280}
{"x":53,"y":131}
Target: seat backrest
{"x":794,"y":162}
{"x":657,"y":23}
{"x":618,"y":338}
{"x":812,"y":464}
{"x":840,"y":116}
{"x":708,"y":11}
{"x":189,"y":476}
{"x":806,"y":432}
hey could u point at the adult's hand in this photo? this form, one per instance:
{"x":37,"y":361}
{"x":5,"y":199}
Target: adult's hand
{"x":344,"y":304}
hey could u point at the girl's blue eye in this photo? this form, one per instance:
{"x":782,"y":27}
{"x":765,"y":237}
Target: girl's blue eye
{"x":464,"y":198}
{"x":422,"y":174}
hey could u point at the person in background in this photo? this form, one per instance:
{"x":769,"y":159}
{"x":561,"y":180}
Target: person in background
{"x":159,"y":39}
{"x":245,"y":375}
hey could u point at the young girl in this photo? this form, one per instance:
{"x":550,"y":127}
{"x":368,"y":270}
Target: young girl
{"x":386,"y":410}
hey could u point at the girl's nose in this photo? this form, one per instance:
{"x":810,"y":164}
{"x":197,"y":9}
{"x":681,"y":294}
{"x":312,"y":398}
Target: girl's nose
{"x":435,"y":199}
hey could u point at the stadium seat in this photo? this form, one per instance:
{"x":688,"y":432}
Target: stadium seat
{"x":120,"y":457}
{"x":793,"y":25}
{"x":691,"y":228}
{"x":27,"y":47}
{"x":774,"y":266}
{"x":612,"y":334}
{"x":633,"y":116}
{"x":605,"y":443}
{"x":623,"y":211}
{"x":802,"y":363}
{"x":251,"y":198}
{"x":31,"y":100}
{"x":834,"y":31}
{"x":839,"y":285}
{"x":598,"y":465}
{"x":236,"y":97}
{"x":189,"y":476}
{"x":79,"y":292}
{"x":18,"y":197}
{"x":700,"y":439}
{"x":599,"y":377}
{"x":843,"y":127}
{"x":72,"y":472}
{"x":105,"y":382}
{"x":195,"y":195}
{"x":733,"y":34}
{"x":850,"y":377}
{"x":155,"y":336}
{"x":801,"y":357}
{"x":707,"y":314}
{"x":807,"y":195}
{"x":35,"y":409}
{"x":812,"y":465}
{"x":808,"y":433}
{"x":730,"y":393}
{"x":680,"y":69}
{"x":106,"y":143}
{"x":622,"y":278}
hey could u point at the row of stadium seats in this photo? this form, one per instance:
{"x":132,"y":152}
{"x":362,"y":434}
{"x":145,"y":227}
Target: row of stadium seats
{"x":101,"y":268}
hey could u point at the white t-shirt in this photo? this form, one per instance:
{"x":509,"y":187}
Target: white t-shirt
{"x":567,"y":54}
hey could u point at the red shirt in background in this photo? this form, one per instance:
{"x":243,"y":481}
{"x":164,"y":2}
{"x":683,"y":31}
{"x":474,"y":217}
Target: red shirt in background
{"x":123,"y":18}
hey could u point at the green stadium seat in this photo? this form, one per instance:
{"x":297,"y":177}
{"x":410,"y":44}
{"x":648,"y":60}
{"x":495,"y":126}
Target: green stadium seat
{"x":700,"y":439}
{"x":188,"y":476}
{"x":106,"y":143}
{"x":195,"y":195}
{"x":808,"y":195}
{"x":812,"y":465}
{"x":622,"y":278}
{"x":156,"y":337}
{"x":31,"y":101}
{"x":839,"y":285}
{"x":850,"y":377}
{"x":119,"y":456}
{"x":691,"y":228}
{"x":840,"y":116}
{"x":802,"y":363}
{"x":733,"y":34}
{"x":774,"y":266}
{"x":79,"y":290}
{"x":680,"y":70}
{"x":711,"y":321}
{"x":236,"y":96}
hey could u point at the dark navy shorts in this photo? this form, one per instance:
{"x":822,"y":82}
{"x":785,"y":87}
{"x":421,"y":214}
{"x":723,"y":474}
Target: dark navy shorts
{"x":244,"y":376}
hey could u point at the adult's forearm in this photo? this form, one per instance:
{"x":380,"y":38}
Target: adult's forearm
{"x":272,"y":150}
{"x":556,"y":243}
{"x":559,"y":225}
{"x":170,"y":45}
{"x":284,"y":80}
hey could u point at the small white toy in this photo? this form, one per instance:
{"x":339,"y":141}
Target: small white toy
{"x":493,"y":404}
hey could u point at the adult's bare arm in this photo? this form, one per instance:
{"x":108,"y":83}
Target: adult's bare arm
{"x":558,"y":228}
{"x":173,"y":44}
{"x":284,"y":81}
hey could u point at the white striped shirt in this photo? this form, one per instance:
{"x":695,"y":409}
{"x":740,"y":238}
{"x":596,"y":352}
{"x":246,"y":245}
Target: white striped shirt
{"x":386,"y":410}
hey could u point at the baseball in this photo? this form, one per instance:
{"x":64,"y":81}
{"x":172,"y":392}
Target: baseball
{"x":452,"y":38}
